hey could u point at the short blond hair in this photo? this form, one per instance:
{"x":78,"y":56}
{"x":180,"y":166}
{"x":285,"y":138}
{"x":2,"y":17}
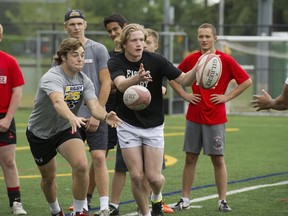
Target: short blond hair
{"x":153,"y":33}
{"x":127,"y":30}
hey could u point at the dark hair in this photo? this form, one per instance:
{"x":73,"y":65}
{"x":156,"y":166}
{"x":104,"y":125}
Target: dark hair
{"x":117,"y":17}
{"x":66,"y":46}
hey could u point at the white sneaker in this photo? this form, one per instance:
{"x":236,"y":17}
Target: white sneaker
{"x":17,"y":209}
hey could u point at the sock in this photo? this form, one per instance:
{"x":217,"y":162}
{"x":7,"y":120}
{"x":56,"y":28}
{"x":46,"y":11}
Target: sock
{"x":54,"y":207}
{"x":115,"y":205}
{"x":185,"y":200}
{"x":89,"y":197}
{"x":13,"y":195}
{"x":86,"y":205}
{"x":156,"y":198}
{"x":78,"y":205}
{"x":104,"y":202}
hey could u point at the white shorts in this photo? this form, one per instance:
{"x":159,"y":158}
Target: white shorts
{"x":130,"y":136}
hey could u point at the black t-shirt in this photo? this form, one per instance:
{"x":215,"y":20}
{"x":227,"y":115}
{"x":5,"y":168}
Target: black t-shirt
{"x":158,"y":66}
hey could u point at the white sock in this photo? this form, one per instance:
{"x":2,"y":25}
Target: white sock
{"x":54,"y":207}
{"x":185,"y":200}
{"x":156,"y":198}
{"x":78,"y":205}
{"x":104,"y":202}
{"x":115,"y":205}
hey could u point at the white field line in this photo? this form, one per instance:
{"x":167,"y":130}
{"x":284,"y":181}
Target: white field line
{"x":213,"y":196}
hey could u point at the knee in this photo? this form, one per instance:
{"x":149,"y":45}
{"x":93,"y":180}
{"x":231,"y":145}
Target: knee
{"x":191,"y":158}
{"x":156,"y":180}
{"x":218,"y":161}
{"x":99,"y":159}
{"x":80,"y":168}
{"x":48,"y":180}
{"x":9,"y":163}
{"x":137,"y":180}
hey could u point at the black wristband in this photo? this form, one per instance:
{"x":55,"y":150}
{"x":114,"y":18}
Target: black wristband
{"x":105,"y":118}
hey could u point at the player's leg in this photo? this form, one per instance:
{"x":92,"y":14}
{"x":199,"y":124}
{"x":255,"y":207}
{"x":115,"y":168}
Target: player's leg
{"x":73,"y":150}
{"x":192,"y":147}
{"x":131,"y":146}
{"x":118,"y":182}
{"x":10,"y":173}
{"x":153,"y":140}
{"x":91,"y":186}
{"x":98,"y":142}
{"x":134,"y":162}
{"x":220,"y":175}
{"x":9,"y":167}
{"x":214,"y":143}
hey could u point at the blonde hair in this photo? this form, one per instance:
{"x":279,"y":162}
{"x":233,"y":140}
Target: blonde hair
{"x":127,"y":30}
{"x":153,"y":33}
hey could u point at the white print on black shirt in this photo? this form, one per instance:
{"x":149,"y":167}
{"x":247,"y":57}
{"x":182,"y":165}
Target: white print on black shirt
{"x":131,"y":73}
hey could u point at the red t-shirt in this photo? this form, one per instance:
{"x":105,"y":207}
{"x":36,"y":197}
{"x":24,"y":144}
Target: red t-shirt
{"x":206,"y":112}
{"x":10,"y":77}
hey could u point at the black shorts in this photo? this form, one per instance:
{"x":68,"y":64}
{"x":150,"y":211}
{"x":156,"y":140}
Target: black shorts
{"x":120,"y":165}
{"x":97,"y":140}
{"x":112,"y":133}
{"x":8,"y":137}
{"x":44,"y":150}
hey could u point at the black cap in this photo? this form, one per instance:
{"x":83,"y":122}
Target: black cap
{"x":74,"y":14}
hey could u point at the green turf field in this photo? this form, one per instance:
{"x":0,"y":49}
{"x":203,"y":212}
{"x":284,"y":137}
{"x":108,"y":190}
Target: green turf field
{"x":256,"y":159}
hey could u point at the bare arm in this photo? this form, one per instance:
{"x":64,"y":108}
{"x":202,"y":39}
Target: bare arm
{"x":186,"y":79}
{"x":189,"y":97}
{"x":105,"y":80}
{"x":98,"y":112}
{"x":14,"y":103}
{"x":217,"y":98}
{"x":104,"y":91}
{"x":64,"y":111}
{"x":265,"y":102}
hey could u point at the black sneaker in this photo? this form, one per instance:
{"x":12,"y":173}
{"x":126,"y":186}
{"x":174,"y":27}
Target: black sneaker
{"x":223,"y":206}
{"x":61,"y":213}
{"x":180,"y":205}
{"x":113,"y":210}
{"x":157,"y":209}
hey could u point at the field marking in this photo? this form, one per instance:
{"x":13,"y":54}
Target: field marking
{"x":213,"y":196}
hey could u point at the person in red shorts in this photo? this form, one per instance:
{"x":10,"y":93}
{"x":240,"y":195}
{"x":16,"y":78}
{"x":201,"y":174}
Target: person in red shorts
{"x":11,"y":82}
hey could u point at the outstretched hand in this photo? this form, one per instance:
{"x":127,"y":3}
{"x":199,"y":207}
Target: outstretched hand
{"x":261,"y":102}
{"x":144,"y":75}
{"x":113,"y":120}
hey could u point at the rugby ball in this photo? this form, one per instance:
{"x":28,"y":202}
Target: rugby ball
{"x":208,"y":71}
{"x":137,"y":97}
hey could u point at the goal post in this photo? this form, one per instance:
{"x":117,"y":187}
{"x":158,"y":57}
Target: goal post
{"x":263,"y":57}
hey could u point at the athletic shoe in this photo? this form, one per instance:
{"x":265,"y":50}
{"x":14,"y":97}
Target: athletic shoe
{"x":71,"y":208}
{"x":166,"y":208}
{"x":113,"y":210}
{"x":157,"y":209}
{"x":17,"y":209}
{"x":223,"y":206}
{"x":104,"y":212}
{"x":181,"y":205}
{"x":61,"y":213}
{"x":79,"y":214}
